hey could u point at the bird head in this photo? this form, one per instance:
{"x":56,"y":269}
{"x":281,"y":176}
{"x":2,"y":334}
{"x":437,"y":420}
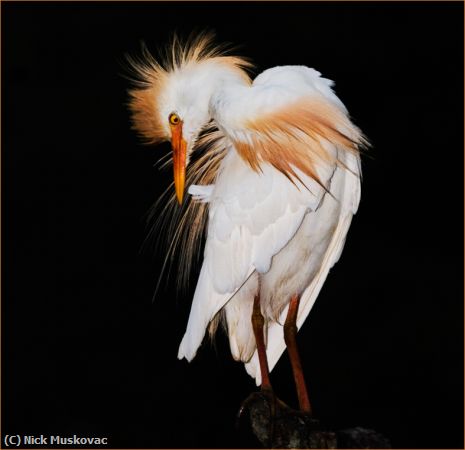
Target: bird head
{"x":172,"y":97}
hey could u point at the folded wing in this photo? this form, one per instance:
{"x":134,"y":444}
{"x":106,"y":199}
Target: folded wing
{"x":285,"y":132}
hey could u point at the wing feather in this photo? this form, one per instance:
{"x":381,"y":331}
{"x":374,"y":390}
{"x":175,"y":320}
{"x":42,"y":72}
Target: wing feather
{"x":242,"y":240}
{"x":349,"y":204}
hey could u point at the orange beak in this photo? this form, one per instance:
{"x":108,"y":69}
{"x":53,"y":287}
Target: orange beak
{"x":179,"y":146}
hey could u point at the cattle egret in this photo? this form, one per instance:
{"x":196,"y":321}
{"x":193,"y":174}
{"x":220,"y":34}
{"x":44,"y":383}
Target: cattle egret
{"x":274,"y":187}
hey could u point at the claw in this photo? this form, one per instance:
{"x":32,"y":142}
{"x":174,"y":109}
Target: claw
{"x":265,"y":410}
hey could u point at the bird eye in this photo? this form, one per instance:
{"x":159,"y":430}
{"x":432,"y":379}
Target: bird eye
{"x":174,"y":119}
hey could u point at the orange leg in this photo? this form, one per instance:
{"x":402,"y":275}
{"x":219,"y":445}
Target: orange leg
{"x":290,"y":333}
{"x":257,"y":324}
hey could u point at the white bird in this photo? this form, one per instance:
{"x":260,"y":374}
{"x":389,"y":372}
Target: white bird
{"x":275,"y":190}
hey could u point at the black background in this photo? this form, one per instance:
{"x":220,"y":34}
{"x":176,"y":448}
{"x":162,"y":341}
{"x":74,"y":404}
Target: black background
{"x":84,"y":350}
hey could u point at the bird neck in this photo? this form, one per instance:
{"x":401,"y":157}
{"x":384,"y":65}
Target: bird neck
{"x":224,"y":103}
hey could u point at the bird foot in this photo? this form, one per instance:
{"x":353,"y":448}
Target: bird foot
{"x":277,"y":425}
{"x":263,"y":398}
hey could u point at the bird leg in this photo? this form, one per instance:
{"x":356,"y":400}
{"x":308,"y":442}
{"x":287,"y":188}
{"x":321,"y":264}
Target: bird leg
{"x":266,"y":396}
{"x":257,"y":325}
{"x":290,"y":333}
